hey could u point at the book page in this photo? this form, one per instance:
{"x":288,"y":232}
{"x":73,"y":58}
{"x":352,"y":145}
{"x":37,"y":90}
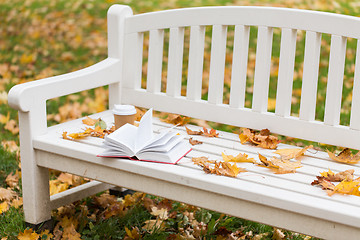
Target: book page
{"x":145,"y":131}
{"x":123,"y":138}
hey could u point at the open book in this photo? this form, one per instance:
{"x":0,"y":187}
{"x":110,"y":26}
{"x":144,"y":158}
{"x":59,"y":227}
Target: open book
{"x":139,"y":143}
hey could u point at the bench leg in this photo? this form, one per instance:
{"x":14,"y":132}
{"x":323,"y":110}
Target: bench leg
{"x":35,"y":179}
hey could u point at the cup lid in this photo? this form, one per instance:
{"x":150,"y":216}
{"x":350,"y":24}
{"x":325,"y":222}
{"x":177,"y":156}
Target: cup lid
{"x":124,"y":109}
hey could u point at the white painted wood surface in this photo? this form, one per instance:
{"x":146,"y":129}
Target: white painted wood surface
{"x":265,"y":197}
{"x":287,"y":192}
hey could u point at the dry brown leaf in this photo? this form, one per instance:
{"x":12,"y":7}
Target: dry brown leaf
{"x":241,"y":157}
{"x":12,"y":180}
{"x":176,"y":119}
{"x":191,"y":132}
{"x":133,"y":234}
{"x":16,"y":203}
{"x":10,"y":146}
{"x":210,"y":133}
{"x":28,"y":234}
{"x":289,"y":153}
{"x":12,"y":126}
{"x":66,"y":178}
{"x":278,"y":165}
{"x":347,"y":175}
{"x":278,"y":234}
{"x":89,"y":121}
{"x":217,"y":167}
{"x":154,"y":225}
{"x":325,"y":184}
{"x":345,"y":156}
{"x":6,"y":194}
{"x":262,"y":139}
{"x":194,"y":142}
{"x":161,"y":213}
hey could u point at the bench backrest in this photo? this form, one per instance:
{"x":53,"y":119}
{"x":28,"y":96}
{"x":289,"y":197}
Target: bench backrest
{"x":183,"y":95}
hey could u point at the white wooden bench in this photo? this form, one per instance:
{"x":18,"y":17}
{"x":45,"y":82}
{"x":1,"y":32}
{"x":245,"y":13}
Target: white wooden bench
{"x":287,"y":201}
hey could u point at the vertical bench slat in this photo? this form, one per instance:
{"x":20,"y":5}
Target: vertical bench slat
{"x":217,"y":64}
{"x":262,"y":69}
{"x":156,"y":45}
{"x":133,"y":64}
{"x":196,"y":60}
{"x":175,"y":60}
{"x":335,"y":80}
{"x":286,"y":72}
{"x":355,"y":105}
{"x":239,"y":66}
{"x":310,"y":76}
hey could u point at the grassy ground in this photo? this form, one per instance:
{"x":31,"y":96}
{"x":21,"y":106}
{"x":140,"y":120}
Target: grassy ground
{"x":40,"y":38}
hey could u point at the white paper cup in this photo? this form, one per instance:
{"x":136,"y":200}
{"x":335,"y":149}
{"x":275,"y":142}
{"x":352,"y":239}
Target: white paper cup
{"x":123,"y":114}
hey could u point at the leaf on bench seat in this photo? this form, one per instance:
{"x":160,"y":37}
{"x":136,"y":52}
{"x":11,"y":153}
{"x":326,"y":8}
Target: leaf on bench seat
{"x":207,"y":133}
{"x":288,"y":153}
{"x":241,"y":157}
{"x":89,"y":121}
{"x":345,"y":156}
{"x":278,"y":165}
{"x":261,"y":139}
{"x":218,"y":167}
{"x":348,"y":185}
{"x":194,"y":142}
{"x":191,"y":132}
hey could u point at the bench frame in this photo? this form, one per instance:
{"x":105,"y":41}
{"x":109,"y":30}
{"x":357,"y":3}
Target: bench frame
{"x":124,"y":80}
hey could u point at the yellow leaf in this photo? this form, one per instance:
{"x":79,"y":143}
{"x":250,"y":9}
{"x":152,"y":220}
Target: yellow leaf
{"x":46,"y":234}
{"x":279,"y":166}
{"x":89,"y":121}
{"x":3,"y":97}
{"x":28,"y":234}
{"x":16,"y":203}
{"x":56,"y":186}
{"x":289,"y":153}
{"x":161,"y":213}
{"x":12,"y":126}
{"x":66,"y":178}
{"x":347,"y":187}
{"x":4,"y":206}
{"x":241,"y":157}
{"x":271,"y":104}
{"x":345,"y":156}
{"x":4,"y":119}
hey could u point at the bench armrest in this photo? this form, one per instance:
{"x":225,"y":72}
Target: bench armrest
{"x":23,"y":96}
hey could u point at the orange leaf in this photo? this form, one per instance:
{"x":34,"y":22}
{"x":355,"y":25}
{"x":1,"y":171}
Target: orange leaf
{"x":194,"y":142}
{"x":345,"y":156}
{"x":241,"y":157}
{"x":211,"y":133}
{"x":12,"y":180}
{"x":28,"y":234}
{"x":89,"y":121}
{"x":279,"y":166}
{"x":262,"y":139}
{"x":176,"y":119}
{"x":289,"y":153}
{"x":191,"y":132}
{"x":12,"y":126}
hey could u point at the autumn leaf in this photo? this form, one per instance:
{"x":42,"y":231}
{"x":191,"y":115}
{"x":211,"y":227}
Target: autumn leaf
{"x":210,"y":133}
{"x":133,"y":234}
{"x":347,"y":187}
{"x":10,"y":146}
{"x":241,"y":157}
{"x":217,"y":167}
{"x":57,"y":186}
{"x":28,"y":234}
{"x":278,"y":165}
{"x":16,"y":203}
{"x":324,"y":183}
{"x":176,"y":119}
{"x":154,"y":225}
{"x":191,"y":132}
{"x":194,"y":142}
{"x":201,"y":160}
{"x":46,"y":235}
{"x":4,"y":119}
{"x":12,"y":180}
{"x":289,"y":153}
{"x":89,"y":121}
{"x":6,"y":194}
{"x":66,"y":178}
{"x":161,"y":213}
{"x":345,"y":156}
{"x":347,"y":175}
{"x":261,"y":139}
{"x":4,"y":206}
{"x":12,"y":126}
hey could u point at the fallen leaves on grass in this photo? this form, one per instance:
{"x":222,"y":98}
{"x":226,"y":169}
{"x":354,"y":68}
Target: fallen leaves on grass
{"x":6,"y":194}
{"x":345,"y":156}
{"x":28,"y":234}
{"x":261,"y":139}
{"x":218,"y":167}
{"x":241,"y":157}
{"x":279,"y":165}
{"x":347,"y":184}
{"x":4,"y":206}
{"x":12,"y":180}
{"x":12,"y":126}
